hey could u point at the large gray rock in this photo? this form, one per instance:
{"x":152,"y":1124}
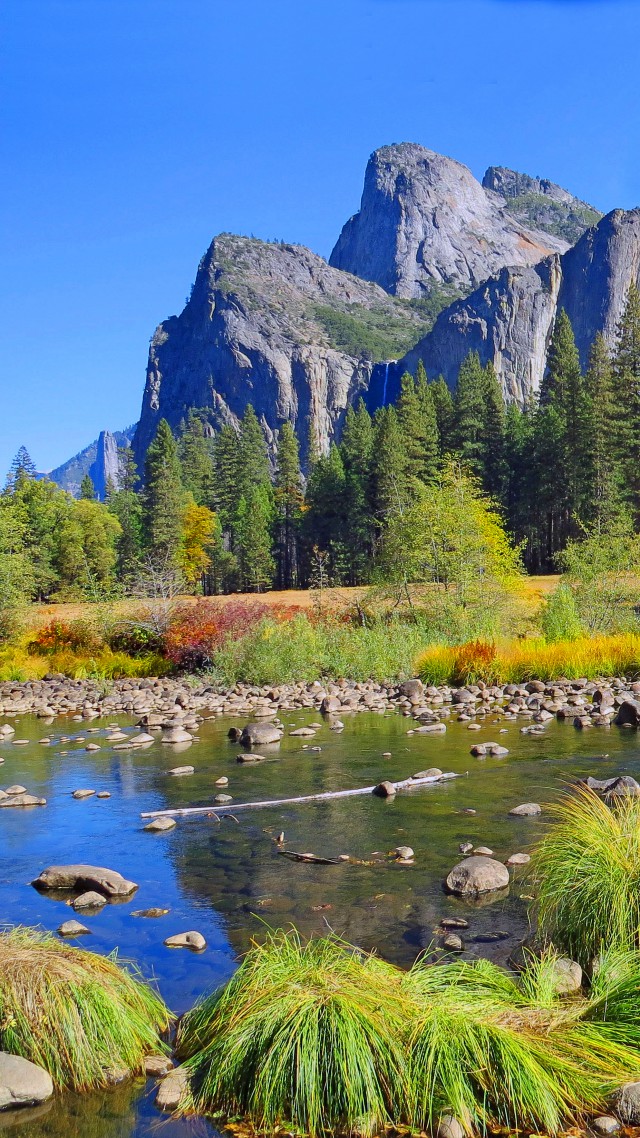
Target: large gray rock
{"x":106,"y":466}
{"x":260,"y":734}
{"x":425,"y":221}
{"x":22,"y":800}
{"x":628,"y":713}
{"x":105,"y":881}
{"x":508,"y":320}
{"x":257,"y":329}
{"x":626,"y":1103}
{"x":477,"y":874}
{"x":22,"y":1083}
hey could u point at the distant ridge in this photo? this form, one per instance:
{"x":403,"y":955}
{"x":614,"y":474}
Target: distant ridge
{"x":97,"y":460}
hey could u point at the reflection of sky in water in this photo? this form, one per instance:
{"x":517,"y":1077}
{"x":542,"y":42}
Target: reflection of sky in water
{"x":226,"y":879}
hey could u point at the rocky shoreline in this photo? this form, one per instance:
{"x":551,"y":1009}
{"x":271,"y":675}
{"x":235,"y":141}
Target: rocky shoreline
{"x":586,"y":703}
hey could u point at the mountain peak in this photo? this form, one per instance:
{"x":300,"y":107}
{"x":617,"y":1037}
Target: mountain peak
{"x":425,"y":223}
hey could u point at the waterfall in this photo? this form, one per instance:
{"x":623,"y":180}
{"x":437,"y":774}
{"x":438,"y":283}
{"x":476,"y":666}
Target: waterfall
{"x":384,"y":386}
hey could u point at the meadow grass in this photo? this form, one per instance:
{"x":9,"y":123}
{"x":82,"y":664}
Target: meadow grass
{"x":516,"y":661}
{"x":321,"y":1037}
{"x":77,"y":1014}
{"x":588,"y":867}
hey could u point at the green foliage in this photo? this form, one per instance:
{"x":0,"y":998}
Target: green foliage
{"x":320,"y":1037}
{"x":196,"y":460}
{"x":567,"y":220}
{"x":163,"y":501}
{"x":87,"y":489}
{"x":77,"y":1014}
{"x":588,"y":867}
{"x":559,"y":618}
{"x":602,"y":569}
{"x":254,"y":518}
{"x":310,"y":1033}
{"x":289,"y":500}
{"x":371,"y":333}
{"x":452,"y":535}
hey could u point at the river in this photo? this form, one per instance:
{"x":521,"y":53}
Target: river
{"x":227,"y":879}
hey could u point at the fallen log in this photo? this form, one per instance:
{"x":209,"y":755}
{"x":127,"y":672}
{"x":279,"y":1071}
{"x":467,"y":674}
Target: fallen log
{"x":310,"y":857}
{"x":406,"y":784}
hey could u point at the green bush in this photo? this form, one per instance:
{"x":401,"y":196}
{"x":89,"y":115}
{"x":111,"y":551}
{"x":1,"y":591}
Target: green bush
{"x":559,"y":618}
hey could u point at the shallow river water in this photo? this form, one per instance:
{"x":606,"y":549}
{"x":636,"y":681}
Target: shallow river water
{"x":227,"y":879}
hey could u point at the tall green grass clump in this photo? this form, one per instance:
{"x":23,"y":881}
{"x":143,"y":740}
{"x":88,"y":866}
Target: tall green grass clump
{"x":307,"y":1033}
{"x":321,"y":1037}
{"x":494,"y":1049}
{"x":589,"y":875}
{"x":77,"y":1014}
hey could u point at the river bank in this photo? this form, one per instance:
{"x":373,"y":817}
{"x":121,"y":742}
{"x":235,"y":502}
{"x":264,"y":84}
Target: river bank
{"x":586,"y":701}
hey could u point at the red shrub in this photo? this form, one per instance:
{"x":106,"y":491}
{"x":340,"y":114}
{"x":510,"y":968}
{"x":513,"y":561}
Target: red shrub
{"x":473,"y":661}
{"x":197,"y":630}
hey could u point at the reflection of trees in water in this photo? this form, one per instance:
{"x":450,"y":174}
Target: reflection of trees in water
{"x":396,"y":910}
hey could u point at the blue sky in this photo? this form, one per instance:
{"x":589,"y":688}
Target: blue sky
{"x":134,"y":130}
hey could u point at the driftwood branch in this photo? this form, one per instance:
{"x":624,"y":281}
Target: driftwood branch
{"x":406,"y":784}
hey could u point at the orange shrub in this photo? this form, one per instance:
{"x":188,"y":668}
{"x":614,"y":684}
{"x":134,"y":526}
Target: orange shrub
{"x":473,"y":661}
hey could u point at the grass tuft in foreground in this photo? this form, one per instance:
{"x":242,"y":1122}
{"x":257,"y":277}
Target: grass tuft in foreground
{"x":309,"y":1032}
{"x":77,"y":1014}
{"x":322,"y":1037}
{"x":589,"y":875}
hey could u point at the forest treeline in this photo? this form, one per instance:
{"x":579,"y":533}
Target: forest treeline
{"x":215,"y":508}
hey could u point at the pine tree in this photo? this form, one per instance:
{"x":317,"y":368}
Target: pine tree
{"x":418,"y":426}
{"x":469,"y":414}
{"x":494,"y":466}
{"x":22,"y":468}
{"x":253,"y":457}
{"x":600,"y":446}
{"x":325,"y":521}
{"x":563,"y":373}
{"x":563,"y":389}
{"x":87,"y":489}
{"x":356,"y":451}
{"x":445,"y":414}
{"x":196,"y":460}
{"x":253,"y":539}
{"x":289,"y":500}
{"x":389,"y":481}
{"x":127,"y":470}
{"x":626,"y":383}
{"x":225,"y":464}
{"x":163,"y":495}
{"x":551,"y":491}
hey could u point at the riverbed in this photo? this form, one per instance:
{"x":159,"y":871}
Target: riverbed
{"x":227,"y":878}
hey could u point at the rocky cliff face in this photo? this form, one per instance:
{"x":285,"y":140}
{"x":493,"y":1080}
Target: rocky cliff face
{"x":542,"y":204}
{"x":99,"y":460}
{"x":272,"y":325}
{"x":425,"y":223}
{"x":106,"y":465}
{"x":509,"y":319}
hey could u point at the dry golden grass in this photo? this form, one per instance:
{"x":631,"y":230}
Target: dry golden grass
{"x":534,"y":589}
